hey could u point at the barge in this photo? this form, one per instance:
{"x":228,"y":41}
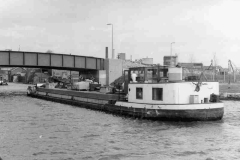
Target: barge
{"x":157,"y":93}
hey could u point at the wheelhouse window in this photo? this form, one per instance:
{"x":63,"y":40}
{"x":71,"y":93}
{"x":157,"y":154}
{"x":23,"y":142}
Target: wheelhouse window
{"x":157,"y":94}
{"x":139,"y":93}
{"x":152,"y":75}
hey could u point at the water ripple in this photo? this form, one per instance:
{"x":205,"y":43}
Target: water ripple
{"x":37,"y":129}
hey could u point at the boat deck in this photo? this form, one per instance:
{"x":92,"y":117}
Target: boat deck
{"x":83,"y":94}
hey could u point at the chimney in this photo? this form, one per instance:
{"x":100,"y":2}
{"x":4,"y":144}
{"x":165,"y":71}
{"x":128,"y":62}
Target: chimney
{"x":106,"y":53}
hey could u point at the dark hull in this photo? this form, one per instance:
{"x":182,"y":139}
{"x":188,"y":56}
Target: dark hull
{"x":153,"y":114}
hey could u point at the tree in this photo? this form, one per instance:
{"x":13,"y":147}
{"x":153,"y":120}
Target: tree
{"x":49,"y":51}
{"x":192,"y":59}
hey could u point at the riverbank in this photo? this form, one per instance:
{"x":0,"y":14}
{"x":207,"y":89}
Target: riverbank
{"x":232,"y":88}
{"x":229,"y":92}
{"x":14,"y":88}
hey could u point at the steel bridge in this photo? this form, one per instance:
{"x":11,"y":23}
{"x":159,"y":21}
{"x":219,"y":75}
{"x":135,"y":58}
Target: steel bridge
{"x":50,"y":61}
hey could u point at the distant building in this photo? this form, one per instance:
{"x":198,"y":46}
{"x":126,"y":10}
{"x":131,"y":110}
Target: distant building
{"x":191,"y":65}
{"x":144,"y":61}
{"x":17,"y":74}
{"x":224,"y":71}
{"x":18,"y":70}
{"x":147,"y":60}
{"x":40,"y":78}
{"x":64,"y":73}
{"x":6,"y":69}
{"x":122,"y":56}
{"x":168,"y":59}
{"x":4,"y":75}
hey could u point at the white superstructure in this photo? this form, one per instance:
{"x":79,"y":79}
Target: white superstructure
{"x":171,"y":93}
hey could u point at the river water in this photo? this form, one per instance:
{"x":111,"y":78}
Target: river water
{"x":35,"y":129}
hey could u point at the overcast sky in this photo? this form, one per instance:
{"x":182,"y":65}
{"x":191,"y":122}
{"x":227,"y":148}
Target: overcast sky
{"x":142,"y":28}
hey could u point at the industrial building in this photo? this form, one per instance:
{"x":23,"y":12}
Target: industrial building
{"x":170,"y":60}
{"x":191,"y":65}
{"x":122,"y":56}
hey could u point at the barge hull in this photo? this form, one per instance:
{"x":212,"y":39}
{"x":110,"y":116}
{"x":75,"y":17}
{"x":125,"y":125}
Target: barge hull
{"x":143,"y":113}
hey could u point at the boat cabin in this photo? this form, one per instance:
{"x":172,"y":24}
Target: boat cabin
{"x":165,"y":85}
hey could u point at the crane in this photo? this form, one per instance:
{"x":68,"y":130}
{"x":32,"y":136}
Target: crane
{"x":230,"y":67}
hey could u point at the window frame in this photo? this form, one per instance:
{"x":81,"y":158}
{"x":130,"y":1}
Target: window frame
{"x":138,"y":96}
{"x":156,"y":98}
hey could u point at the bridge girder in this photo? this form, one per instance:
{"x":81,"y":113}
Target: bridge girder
{"x":50,"y":61}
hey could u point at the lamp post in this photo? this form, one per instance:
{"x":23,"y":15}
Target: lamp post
{"x":171,"y":55}
{"x":112,"y":40}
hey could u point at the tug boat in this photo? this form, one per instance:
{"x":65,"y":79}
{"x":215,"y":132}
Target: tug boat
{"x":157,"y":93}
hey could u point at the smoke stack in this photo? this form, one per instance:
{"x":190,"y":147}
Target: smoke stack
{"x":106,"y":53}
{"x":131,"y":57}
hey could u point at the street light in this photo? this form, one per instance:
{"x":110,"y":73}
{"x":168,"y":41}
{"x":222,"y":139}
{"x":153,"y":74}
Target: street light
{"x":171,"y":47}
{"x":112,"y":40}
{"x":171,"y":55}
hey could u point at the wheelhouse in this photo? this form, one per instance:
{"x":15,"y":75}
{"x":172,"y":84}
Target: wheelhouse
{"x":165,"y":85}
{"x":156,"y":74}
